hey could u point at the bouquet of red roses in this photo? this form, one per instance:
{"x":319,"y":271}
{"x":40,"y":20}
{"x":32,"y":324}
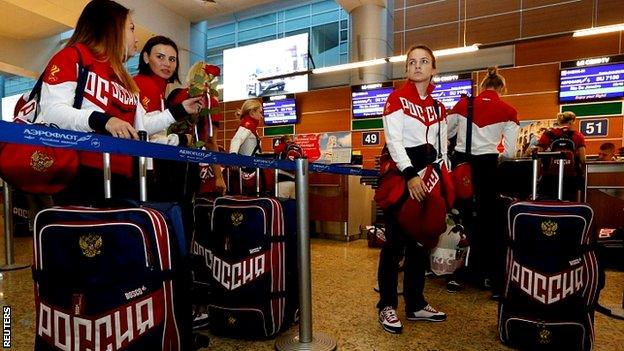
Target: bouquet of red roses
{"x":202,"y":81}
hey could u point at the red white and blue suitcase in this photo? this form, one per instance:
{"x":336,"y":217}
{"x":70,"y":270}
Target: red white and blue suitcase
{"x":249,"y":256}
{"x":552,"y":278}
{"x":111,"y":278}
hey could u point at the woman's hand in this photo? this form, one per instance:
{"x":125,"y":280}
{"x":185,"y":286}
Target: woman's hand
{"x":416,"y":188}
{"x":121,"y":129}
{"x":193,"y":105}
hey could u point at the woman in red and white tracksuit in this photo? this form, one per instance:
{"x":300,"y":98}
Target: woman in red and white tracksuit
{"x":412,"y":128}
{"x":103,"y":39}
{"x":493,"y":119}
{"x":246,"y":140}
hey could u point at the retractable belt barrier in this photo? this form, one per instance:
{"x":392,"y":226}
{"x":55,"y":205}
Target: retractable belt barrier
{"x":42,"y":135}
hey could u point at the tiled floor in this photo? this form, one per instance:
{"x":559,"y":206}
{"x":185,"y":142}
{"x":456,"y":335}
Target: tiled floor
{"x":343,"y":276}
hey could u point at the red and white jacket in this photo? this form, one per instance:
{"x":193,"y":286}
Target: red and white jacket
{"x":411,"y":122}
{"x":246,"y":140}
{"x":104,"y":97}
{"x":492,"y":119}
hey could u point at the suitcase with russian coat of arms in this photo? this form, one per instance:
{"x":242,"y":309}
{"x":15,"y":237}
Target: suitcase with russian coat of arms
{"x":249,"y":260}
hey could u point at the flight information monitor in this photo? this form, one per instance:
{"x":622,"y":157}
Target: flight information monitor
{"x":592,"y":79}
{"x":449,"y":89}
{"x":368,"y":100}
{"x":279,"y":109}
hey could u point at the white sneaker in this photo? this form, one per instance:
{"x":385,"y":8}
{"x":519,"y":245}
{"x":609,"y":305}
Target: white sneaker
{"x":200,"y":321}
{"x":428,"y":313}
{"x":389,"y":320}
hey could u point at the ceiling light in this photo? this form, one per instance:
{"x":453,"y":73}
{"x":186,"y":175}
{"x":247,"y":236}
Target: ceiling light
{"x":443,"y":52}
{"x":349,"y":66}
{"x":599,"y":30}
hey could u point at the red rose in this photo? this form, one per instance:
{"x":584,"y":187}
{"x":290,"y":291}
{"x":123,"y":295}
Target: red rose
{"x":215,"y":71}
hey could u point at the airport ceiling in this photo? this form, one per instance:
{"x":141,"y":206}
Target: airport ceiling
{"x":36,"y":19}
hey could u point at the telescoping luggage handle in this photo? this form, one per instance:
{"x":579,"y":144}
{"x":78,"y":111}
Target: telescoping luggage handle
{"x":560,"y":155}
{"x":142,"y":172}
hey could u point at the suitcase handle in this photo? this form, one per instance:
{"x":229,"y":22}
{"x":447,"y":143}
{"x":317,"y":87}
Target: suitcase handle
{"x":142,"y":172}
{"x":536,"y":156}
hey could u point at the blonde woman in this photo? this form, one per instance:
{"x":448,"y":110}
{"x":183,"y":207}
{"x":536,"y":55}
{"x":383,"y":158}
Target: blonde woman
{"x":246,"y":140}
{"x":565,"y":134}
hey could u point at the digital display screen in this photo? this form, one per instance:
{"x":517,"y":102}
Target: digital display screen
{"x":449,"y":93}
{"x":281,"y":109}
{"x":592,"y":83}
{"x":368,"y":100}
{"x":266,"y":68}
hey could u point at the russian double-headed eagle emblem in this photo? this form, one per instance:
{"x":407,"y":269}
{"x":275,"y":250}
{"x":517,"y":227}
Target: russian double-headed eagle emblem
{"x":40,"y":161}
{"x":549,"y":228}
{"x":237,"y":218}
{"x":90,"y":244}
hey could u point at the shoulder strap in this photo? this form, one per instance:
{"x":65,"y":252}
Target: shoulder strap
{"x":469,"y":124}
{"x":81,"y":81}
{"x":438,"y":113}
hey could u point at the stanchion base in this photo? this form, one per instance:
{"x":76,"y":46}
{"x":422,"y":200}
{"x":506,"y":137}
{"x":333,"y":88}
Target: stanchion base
{"x":320,"y":342}
{"x":13,"y":267}
{"x":617,"y":310}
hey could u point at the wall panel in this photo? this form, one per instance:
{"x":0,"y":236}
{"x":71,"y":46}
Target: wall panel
{"x":438,"y":37}
{"x":493,"y":29}
{"x":610,"y":12}
{"x":534,"y":106}
{"x":568,"y":16}
{"x":567,"y":48}
{"x":484,"y":8}
{"x":437,"y":12}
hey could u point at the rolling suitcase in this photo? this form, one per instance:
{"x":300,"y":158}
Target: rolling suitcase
{"x":552,"y":277}
{"x":252,"y":257}
{"x":111,"y":278}
{"x":246,"y":259}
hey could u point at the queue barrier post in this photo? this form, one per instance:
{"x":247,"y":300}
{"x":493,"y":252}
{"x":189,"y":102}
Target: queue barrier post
{"x":305,"y":340}
{"x":10,"y":264}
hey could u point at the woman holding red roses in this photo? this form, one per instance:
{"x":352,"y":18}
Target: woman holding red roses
{"x":102,"y":41}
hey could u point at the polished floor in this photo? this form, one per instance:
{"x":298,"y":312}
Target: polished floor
{"x":343,"y":276}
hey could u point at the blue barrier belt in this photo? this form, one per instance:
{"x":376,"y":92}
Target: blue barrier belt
{"x":42,"y":135}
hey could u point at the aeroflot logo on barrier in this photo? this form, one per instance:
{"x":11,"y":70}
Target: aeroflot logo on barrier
{"x":55,"y":138}
{"x":192,"y":155}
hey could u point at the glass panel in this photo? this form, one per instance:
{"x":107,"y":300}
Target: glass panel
{"x":324,"y":6}
{"x":322,"y":18}
{"x":221,"y":41}
{"x":264,"y":32}
{"x":17,"y":85}
{"x":298,"y":12}
{"x":324,"y":45}
{"x":344,"y":24}
{"x":297,"y":24}
{"x":343,"y":35}
{"x":255,"y":40}
{"x":257,"y":21}
{"x":221,"y":30}
{"x":132,"y":65}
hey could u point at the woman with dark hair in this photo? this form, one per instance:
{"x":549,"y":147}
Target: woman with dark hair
{"x":102,"y":41}
{"x":492,"y":120}
{"x":413,"y":127}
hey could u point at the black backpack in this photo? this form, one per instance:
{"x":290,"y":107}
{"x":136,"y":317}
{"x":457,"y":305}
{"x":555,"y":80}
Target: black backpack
{"x":565,"y":144}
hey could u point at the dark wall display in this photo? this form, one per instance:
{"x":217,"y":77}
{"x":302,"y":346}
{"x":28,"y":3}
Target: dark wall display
{"x":368,"y":100}
{"x":592,"y":79}
{"x":449,"y":89}
{"x":279,"y":109}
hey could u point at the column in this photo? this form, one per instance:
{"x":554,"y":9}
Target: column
{"x":371,"y":38}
